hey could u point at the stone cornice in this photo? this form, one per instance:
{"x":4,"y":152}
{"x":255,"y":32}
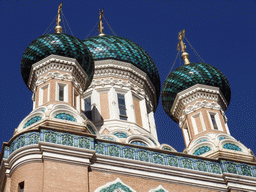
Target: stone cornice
{"x":194,"y":93}
{"x":56,"y":62}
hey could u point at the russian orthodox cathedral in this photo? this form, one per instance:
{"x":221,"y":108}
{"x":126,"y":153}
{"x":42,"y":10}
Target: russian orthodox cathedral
{"x":92,"y":125}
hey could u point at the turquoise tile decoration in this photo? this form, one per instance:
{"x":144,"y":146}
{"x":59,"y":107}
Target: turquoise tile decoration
{"x":65,"y":116}
{"x":121,"y":135}
{"x":202,"y":140}
{"x":188,"y":75}
{"x":57,"y":44}
{"x":202,"y":150}
{"x":122,"y":49}
{"x":32,"y":121}
{"x":231,"y":146}
{"x":116,"y":186}
{"x":108,"y":138}
{"x":134,"y":153}
{"x":222,"y":138}
{"x":160,"y":190}
{"x":201,"y":165}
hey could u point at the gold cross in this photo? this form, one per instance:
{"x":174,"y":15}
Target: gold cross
{"x":181,"y":43}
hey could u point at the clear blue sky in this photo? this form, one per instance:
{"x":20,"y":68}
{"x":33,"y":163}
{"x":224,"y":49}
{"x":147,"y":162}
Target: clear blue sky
{"x":221,"y":31}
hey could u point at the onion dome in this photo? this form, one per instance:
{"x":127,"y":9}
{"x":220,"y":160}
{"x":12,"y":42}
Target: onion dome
{"x":57,"y":44}
{"x":122,"y":49}
{"x":189,"y":75}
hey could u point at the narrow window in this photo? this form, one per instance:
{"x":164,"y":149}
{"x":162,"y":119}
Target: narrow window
{"x":121,"y":105}
{"x":87,"y":108}
{"x":214,"y":123}
{"x":61,"y":93}
{"x":21,"y":187}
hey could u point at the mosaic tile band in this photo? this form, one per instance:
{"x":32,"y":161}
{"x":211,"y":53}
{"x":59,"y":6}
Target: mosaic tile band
{"x":133,"y":153}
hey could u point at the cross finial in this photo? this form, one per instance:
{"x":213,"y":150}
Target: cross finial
{"x":100,"y":26}
{"x":58,"y":28}
{"x":182,"y":45}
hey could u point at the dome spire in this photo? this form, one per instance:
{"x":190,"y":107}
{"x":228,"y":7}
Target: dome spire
{"x":181,"y":44}
{"x":58,"y":28}
{"x":100,"y":26}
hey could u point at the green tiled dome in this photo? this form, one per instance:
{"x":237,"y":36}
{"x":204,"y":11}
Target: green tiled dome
{"x":122,"y":49}
{"x":189,"y":75}
{"x":57,"y":44}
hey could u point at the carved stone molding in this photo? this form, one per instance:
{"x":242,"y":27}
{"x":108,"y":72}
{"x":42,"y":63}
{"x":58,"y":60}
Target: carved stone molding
{"x":60,"y":63}
{"x":194,"y":93}
{"x":198,"y":105}
{"x":59,"y":76}
{"x":122,"y":70}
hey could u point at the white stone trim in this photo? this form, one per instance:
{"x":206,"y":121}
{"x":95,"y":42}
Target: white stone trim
{"x":56,"y":62}
{"x":41,"y":94}
{"x":31,"y":115}
{"x":166,"y":145}
{"x":187,"y":134}
{"x":110,"y":135}
{"x":233,"y":141}
{"x":77,"y":98}
{"x":227,"y":128}
{"x":144,"y":114}
{"x":152,"y":124}
{"x":113,"y":104}
{"x":194,"y":93}
{"x":195,"y":128}
{"x":201,"y":144}
{"x":113,"y":182}
{"x":124,"y":70}
{"x":59,"y":76}
{"x":65,"y":108}
{"x":130,"y":107}
{"x":194,"y":142}
{"x":199,"y":105}
{"x":140,"y":138}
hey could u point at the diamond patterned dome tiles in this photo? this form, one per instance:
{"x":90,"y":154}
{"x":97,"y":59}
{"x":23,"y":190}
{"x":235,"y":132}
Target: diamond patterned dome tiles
{"x":57,"y":44}
{"x":122,"y":49}
{"x":189,"y":75}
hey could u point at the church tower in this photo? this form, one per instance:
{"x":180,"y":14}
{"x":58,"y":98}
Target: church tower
{"x":196,"y":96}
